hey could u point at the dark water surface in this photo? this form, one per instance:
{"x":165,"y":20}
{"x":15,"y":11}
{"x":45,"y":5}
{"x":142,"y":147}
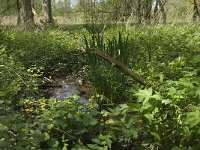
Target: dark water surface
{"x":69,"y":87}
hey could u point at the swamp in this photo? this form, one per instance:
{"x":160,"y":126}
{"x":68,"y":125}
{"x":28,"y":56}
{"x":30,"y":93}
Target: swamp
{"x":99,"y":75}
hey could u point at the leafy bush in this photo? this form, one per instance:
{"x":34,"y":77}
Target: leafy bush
{"x":144,"y":50}
{"x":47,"y":124}
{"x":17,"y":82}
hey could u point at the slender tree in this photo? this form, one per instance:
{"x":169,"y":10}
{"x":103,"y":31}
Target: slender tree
{"x":155,"y":12}
{"x":196,"y":14}
{"x":138,"y":12}
{"x":162,"y":10}
{"x":47,"y":11}
{"x":25,"y":14}
{"x":147,"y":10}
{"x":65,"y":6}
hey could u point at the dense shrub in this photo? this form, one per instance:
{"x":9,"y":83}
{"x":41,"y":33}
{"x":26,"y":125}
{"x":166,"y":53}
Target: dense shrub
{"x":16,"y":81}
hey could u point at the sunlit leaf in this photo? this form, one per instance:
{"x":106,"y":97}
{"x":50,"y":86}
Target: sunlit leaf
{"x":111,"y":121}
{"x":196,"y":59}
{"x":150,"y":117}
{"x":47,"y":137}
{"x":56,"y":143}
{"x":161,"y":77}
{"x":64,"y":147}
{"x":156,"y":135}
{"x":70,"y":116}
{"x":193,"y":118}
{"x":198,"y":92}
{"x":144,"y":95}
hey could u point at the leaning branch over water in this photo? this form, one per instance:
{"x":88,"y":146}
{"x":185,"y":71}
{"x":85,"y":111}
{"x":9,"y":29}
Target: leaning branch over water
{"x":120,"y":66}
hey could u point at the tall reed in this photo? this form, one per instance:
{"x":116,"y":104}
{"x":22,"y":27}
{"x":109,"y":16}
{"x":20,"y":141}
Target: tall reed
{"x":108,"y":80}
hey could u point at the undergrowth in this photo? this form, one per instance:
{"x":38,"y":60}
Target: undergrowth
{"x":162,"y":116}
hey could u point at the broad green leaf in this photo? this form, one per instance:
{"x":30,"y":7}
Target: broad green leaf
{"x":97,"y":141}
{"x":82,"y":131}
{"x":70,"y":116}
{"x":193,"y":118}
{"x":111,"y":121}
{"x":134,"y":106}
{"x":56,"y":143}
{"x":196,"y":59}
{"x":198,"y":92}
{"x":108,"y":142}
{"x":124,"y":106}
{"x":92,"y":146}
{"x":64,"y":147}
{"x":156,"y":96}
{"x":172,"y":91}
{"x":104,"y":113}
{"x":47,"y":137}
{"x":146,"y":107}
{"x":166,"y":101}
{"x":134,"y":133}
{"x":144,"y":95}
{"x":161,"y":77}
{"x":156,"y":135}
{"x":89,"y":120}
{"x":149,"y":117}
{"x":93,"y":121}
{"x":3,"y":128}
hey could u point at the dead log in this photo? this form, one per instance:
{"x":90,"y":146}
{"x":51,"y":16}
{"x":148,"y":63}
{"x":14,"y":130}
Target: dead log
{"x":120,"y":66}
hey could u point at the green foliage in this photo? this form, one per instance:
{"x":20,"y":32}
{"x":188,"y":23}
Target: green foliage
{"x":169,"y":111}
{"x":108,"y":80}
{"x":49,"y":124}
{"x":17,"y":82}
{"x":52,"y":50}
{"x":163,"y":116}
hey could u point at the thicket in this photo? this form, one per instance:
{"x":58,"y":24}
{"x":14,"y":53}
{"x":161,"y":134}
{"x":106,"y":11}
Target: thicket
{"x":123,"y":114}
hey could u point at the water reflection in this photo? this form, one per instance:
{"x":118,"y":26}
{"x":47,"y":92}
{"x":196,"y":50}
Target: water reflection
{"x":70,"y":87}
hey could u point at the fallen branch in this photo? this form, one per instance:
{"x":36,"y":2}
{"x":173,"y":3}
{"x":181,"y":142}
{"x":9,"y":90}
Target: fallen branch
{"x":120,"y":66}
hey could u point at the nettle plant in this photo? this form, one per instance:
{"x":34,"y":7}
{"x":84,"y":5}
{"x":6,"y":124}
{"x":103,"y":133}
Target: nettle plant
{"x":52,"y":124}
{"x":16,"y":81}
{"x":170,"y":109}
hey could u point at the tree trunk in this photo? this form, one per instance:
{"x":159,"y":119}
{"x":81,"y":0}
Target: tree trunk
{"x":65,"y":7}
{"x":47,"y":11}
{"x":138,"y":13}
{"x":18,"y":10}
{"x":162,"y":10}
{"x":155,"y":12}
{"x":196,"y":14}
{"x":9,"y":7}
{"x":147,"y":11}
{"x":25,"y":16}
